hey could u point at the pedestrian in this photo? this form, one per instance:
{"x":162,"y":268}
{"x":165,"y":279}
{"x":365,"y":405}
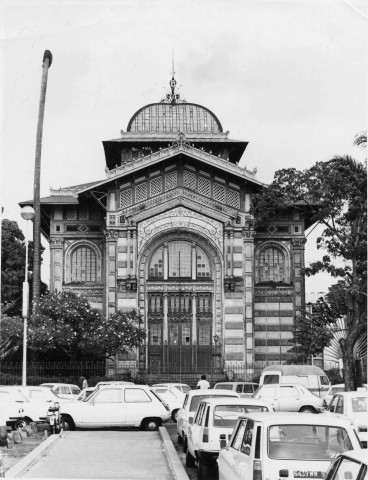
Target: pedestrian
{"x":84,"y":382}
{"x":203,"y":383}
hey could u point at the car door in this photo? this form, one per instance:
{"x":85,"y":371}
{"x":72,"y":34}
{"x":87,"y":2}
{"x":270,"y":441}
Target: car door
{"x":139,"y":405}
{"x":105,"y":409}
{"x":227,"y":465}
{"x":195,"y":431}
{"x":288,"y":399}
{"x":269,"y":393}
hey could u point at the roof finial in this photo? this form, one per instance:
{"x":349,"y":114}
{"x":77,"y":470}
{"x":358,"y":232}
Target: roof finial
{"x":173,"y":81}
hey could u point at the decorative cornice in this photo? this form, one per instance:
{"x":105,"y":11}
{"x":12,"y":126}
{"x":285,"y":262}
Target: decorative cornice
{"x":298,"y":243}
{"x":111,"y":235}
{"x":56,"y":243}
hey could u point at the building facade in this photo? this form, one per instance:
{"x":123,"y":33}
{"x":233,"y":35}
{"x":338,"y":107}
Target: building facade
{"x":169,"y":232}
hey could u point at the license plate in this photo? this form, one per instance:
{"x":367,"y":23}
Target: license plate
{"x":308,"y":474}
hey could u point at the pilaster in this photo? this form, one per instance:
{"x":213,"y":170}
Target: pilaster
{"x":56,"y":264}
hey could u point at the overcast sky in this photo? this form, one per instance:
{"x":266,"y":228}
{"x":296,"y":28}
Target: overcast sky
{"x":289,"y":77}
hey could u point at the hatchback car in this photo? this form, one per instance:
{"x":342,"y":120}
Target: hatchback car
{"x":183,"y":387}
{"x":278,"y":445}
{"x":338,"y":388}
{"x":213,"y":424}
{"x":172,"y":396}
{"x":63,"y":390}
{"x":349,"y":465}
{"x":245,"y":389}
{"x":117,"y":406}
{"x":354,"y":406}
{"x":191,"y":402}
{"x":287,"y":397}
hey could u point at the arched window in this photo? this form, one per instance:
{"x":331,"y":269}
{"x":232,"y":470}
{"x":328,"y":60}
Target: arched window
{"x":83,"y":265}
{"x":271,"y":265}
{"x":203,"y":264}
{"x":156,"y":265}
{"x":180,"y":260}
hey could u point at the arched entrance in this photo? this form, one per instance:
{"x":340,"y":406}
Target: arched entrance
{"x":181,"y":302}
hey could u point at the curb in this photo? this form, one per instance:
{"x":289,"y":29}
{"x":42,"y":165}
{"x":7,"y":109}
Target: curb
{"x":32,"y":457}
{"x":175,"y":464}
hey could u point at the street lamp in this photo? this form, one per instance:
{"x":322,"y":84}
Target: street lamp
{"x":27,"y":213}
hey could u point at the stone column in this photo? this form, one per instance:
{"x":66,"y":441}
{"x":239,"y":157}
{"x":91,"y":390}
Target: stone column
{"x":194,"y":262}
{"x":194,"y":318}
{"x":134,"y":254}
{"x":248,"y":269}
{"x":231,"y":233}
{"x":111,"y":237}
{"x":165,"y":326}
{"x":166,"y":262}
{"x":56,"y":264}
{"x":128,"y":253}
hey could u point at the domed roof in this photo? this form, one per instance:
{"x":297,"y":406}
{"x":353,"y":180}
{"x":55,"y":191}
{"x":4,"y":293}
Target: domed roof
{"x":172,"y":115}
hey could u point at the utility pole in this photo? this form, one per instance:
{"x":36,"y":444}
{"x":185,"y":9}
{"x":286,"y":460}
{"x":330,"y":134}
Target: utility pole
{"x":47,"y":60}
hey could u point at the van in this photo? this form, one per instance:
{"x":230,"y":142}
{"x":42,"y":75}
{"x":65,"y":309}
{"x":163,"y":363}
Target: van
{"x":314,"y":378}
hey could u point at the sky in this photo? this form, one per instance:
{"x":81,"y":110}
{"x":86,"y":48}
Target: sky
{"x":289,"y":77}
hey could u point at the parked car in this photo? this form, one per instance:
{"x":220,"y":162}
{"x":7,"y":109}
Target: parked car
{"x":117,"y":406}
{"x":349,"y":465}
{"x":63,"y":390}
{"x":11,"y":414}
{"x":183,"y":387}
{"x":312,"y":377}
{"x":191,"y":402}
{"x":172,"y":396}
{"x":34,"y":400}
{"x":85,"y":393}
{"x":245,"y":389}
{"x":290,"y":398}
{"x":278,"y":445}
{"x":353,"y":406}
{"x":114,"y":382}
{"x":339,"y":387}
{"x":212,"y":424}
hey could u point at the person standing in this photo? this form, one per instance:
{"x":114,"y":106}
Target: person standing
{"x":203,"y":383}
{"x":84,"y":382}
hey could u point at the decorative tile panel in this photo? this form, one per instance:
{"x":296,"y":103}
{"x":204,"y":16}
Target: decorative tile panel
{"x":156,"y":186}
{"x":141,"y":192}
{"x":171,"y":181}
{"x":189,"y":180}
{"x":219,"y":192}
{"x":83,"y":212}
{"x":126,"y":198}
{"x":71,"y":213}
{"x":233,"y":198}
{"x":204,"y":186}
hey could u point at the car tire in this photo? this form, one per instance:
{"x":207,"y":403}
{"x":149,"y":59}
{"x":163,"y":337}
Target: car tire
{"x":189,"y":460}
{"x":174,"y":415}
{"x":67,"y":422}
{"x":24,"y":422}
{"x":203,"y":470}
{"x":151,"y":424}
{"x":180,"y":440}
{"x":307,"y":410}
{"x":185,"y":445}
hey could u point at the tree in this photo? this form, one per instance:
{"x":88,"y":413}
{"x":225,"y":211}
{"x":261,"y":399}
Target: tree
{"x":13,"y":254}
{"x":11,"y":335}
{"x":332,"y":193}
{"x":66,"y":323}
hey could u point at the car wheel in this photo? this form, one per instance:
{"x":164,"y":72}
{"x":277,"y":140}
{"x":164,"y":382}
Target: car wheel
{"x":151,"y":425}
{"x":185,"y":444}
{"x":67,"y":422}
{"x":180,"y":440}
{"x":174,"y":415}
{"x":23,"y":422}
{"x":307,"y":410}
{"x":202,"y":470}
{"x":189,"y":460}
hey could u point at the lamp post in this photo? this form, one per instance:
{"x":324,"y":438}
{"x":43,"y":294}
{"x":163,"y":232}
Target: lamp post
{"x":27,"y":213}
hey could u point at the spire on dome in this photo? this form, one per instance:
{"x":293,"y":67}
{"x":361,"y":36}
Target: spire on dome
{"x":172,"y":97}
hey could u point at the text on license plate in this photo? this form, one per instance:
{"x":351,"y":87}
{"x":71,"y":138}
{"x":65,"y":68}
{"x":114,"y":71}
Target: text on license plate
{"x":308,"y":474}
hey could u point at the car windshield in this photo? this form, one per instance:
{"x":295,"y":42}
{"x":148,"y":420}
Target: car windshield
{"x":307,"y":442}
{"x":359,"y":404}
{"x":195,"y":401}
{"x":224,"y":386}
{"x":227,"y":415}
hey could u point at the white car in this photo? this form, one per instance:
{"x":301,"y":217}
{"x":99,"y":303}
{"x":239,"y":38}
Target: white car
{"x":85,"y":393}
{"x":353,"y":406}
{"x":117,"y":406}
{"x":172,"y":396}
{"x":191,"y":402}
{"x":280,"y":445}
{"x":213,"y":425}
{"x":338,"y":388}
{"x":245,"y":389}
{"x":349,"y":465}
{"x":183,"y":387}
{"x":11,"y":414}
{"x":34,"y":400}
{"x":287,"y":397}
{"x":114,"y":382}
{"x":63,"y":390}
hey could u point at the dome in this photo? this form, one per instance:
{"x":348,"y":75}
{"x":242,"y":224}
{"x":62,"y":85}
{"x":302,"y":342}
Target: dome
{"x":173,"y":118}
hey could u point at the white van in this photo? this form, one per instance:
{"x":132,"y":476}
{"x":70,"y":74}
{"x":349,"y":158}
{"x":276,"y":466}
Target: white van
{"x":314,"y":378}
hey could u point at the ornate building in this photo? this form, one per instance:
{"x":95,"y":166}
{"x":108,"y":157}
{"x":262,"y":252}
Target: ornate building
{"x":168,"y":232}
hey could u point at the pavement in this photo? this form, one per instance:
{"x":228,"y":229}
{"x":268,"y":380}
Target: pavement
{"x":132,"y":455}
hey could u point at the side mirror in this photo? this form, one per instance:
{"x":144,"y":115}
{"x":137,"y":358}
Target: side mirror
{"x":191,"y":420}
